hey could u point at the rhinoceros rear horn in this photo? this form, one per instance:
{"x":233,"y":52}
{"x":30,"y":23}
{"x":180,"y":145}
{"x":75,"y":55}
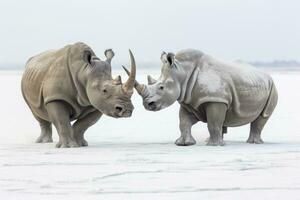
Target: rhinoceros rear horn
{"x":128,"y":86}
{"x":151,"y":80}
{"x":117,"y":80}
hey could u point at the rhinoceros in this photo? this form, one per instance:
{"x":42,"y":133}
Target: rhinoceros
{"x":219,"y":93}
{"x":72,"y":83}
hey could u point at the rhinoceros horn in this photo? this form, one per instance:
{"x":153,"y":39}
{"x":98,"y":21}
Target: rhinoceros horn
{"x":140,"y":88}
{"x":151,"y":80}
{"x":128,"y":86}
{"x":117,"y":80}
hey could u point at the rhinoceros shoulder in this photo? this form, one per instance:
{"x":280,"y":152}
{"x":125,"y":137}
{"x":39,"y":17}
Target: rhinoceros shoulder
{"x":188,"y":55}
{"x":48,"y":76}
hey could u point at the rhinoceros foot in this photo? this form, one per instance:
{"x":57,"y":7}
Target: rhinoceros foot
{"x":255,"y":139}
{"x":185,"y":141}
{"x":215,"y":142}
{"x":82,"y":142}
{"x":66,"y":144}
{"x":79,"y":138}
{"x":44,"y":139}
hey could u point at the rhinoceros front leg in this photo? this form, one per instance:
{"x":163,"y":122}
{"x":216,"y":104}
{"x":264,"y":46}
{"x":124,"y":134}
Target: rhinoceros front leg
{"x":81,"y":125}
{"x":187,"y":120}
{"x":215,"y":114}
{"x":224,"y":131}
{"x":59,"y":114}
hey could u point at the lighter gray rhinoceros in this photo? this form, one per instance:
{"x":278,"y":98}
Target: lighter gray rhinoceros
{"x":223,"y":95}
{"x":69,"y":84}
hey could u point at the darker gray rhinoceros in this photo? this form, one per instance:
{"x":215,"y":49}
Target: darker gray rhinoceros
{"x":72,"y":83}
{"x":222,"y":95}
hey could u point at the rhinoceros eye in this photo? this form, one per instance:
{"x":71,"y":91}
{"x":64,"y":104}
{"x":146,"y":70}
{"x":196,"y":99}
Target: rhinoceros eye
{"x":104,"y":90}
{"x":161,"y":87}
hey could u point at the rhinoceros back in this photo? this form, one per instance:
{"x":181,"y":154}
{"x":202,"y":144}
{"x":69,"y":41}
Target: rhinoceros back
{"x":47,"y":78}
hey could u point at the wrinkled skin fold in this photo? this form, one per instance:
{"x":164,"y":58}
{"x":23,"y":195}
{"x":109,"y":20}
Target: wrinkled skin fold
{"x":217,"y":93}
{"x":73,"y":84}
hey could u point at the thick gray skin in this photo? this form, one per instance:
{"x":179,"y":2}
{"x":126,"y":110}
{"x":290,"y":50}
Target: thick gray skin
{"x":90,"y":93}
{"x":185,"y":78}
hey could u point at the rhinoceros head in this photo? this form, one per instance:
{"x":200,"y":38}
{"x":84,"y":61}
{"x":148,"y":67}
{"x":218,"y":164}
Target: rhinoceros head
{"x":108,"y":95}
{"x":161,"y":93}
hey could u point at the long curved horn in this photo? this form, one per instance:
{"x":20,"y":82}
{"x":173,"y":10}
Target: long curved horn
{"x":140,"y":88}
{"x":128,"y":86}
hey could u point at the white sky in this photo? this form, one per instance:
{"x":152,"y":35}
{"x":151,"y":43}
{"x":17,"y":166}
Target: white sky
{"x":231,"y":29}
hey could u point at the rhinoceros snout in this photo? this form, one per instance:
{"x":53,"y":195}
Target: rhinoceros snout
{"x":121,"y":111}
{"x":151,"y":105}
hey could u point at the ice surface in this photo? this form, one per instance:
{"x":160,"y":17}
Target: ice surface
{"x":136,"y":158}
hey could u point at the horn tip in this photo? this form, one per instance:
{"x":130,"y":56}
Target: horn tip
{"x":130,"y":52}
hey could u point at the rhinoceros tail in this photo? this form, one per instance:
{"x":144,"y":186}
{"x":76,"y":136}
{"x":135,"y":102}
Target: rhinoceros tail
{"x":271,"y":103}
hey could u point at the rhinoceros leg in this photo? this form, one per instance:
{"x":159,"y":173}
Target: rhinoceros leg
{"x":224,"y":131}
{"x":81,"y":125}
{"x":59,"y":114}
{"x":215,"y":114}
{"x":255,"y":130}
{"x":187,"y":120}
{"x":46,"y":132}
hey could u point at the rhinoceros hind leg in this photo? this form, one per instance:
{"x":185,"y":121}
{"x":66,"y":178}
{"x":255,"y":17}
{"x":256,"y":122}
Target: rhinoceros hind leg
{"x":46,"y":132}
{"x":224,"y":131}
{"x":59,"y":113}
{"x":81,"y":125}
{"x":255,"y":130}
{"x":215,"y":113}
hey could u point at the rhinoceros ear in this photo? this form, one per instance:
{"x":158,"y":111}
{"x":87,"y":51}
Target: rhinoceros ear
{"x":167,"y":58}
{"x":163,"y":57}
{"x":89,"y":58}
{"x":151,"y":80}
{"x":170,"y":58}
{"x":109,"y":54}
{"x":117,"y":80}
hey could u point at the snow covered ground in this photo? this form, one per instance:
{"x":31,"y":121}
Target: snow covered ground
{"x":135,"y":158}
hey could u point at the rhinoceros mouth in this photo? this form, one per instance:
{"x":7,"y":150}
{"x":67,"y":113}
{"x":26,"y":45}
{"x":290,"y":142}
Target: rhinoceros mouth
{"x":154,"y":109}
{"x":152,"y":106}
{"x":125,"y":114}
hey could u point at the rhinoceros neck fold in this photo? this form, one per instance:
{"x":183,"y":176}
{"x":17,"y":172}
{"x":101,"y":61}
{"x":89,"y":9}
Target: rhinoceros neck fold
{"x":187,"y":85}
{"x":76,"y":70}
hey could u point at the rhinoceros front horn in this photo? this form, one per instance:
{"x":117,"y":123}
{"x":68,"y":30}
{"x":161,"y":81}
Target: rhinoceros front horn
{"x":140,"y":88}
{"x":128,"y":86}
